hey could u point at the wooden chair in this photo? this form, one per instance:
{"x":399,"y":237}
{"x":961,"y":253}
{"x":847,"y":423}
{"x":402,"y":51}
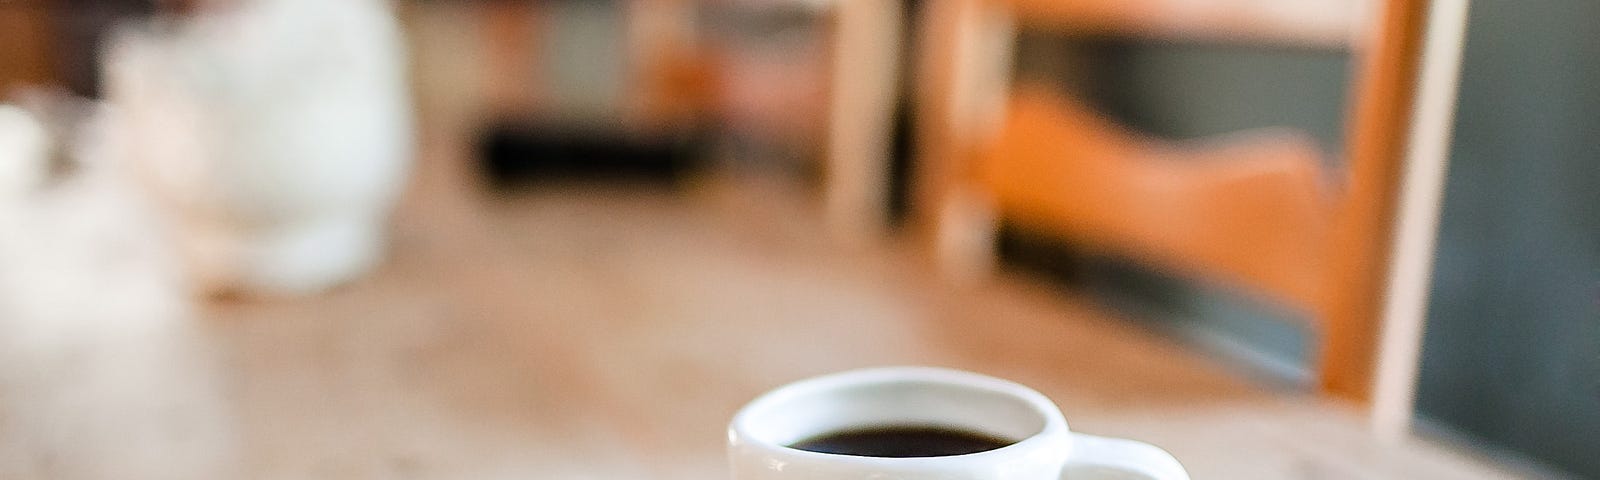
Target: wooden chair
{"x":864,"y":42}
{"x":1255,"y":210}
{"x":672,"y":79}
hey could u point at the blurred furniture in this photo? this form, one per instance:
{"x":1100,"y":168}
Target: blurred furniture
{"x":1256,"y":210}
{"x":681,"y":79}
{"x":673,"y":78}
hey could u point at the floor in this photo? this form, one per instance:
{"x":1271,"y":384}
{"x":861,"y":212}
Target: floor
{"x":583,"y":332}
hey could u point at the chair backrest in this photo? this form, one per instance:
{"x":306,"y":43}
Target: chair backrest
{"x":1257,"y":209}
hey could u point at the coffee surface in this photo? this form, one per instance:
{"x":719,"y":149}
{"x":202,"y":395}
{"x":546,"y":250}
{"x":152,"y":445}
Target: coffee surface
{"x":902,"y":442}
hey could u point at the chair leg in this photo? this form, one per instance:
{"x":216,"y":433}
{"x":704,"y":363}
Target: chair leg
{"x":965,"y":236}
{"x":861,"y":119}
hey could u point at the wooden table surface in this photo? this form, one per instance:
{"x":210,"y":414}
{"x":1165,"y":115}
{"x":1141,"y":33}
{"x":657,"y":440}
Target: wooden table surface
{"x":602,"y":331}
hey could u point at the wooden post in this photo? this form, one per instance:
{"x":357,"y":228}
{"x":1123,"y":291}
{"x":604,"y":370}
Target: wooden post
{"x":1416,"y":228}
{"x":1385,"y":82}
{"x":964,"y":78}
{"x":861,"y":117}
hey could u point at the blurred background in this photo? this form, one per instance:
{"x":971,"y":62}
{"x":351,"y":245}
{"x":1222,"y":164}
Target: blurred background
{"x":569,"y":238}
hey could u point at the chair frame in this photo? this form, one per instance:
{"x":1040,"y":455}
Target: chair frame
{"x":963,"y":100}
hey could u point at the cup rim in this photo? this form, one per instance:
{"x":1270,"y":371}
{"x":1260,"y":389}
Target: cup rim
{"x":1054,"y":424}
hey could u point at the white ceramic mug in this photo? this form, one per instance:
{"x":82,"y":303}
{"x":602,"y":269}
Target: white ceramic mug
{"x":760,"y":435}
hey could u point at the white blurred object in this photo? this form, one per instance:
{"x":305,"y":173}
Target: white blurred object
{"x":24,"y":152}
{"x":275,"y":135}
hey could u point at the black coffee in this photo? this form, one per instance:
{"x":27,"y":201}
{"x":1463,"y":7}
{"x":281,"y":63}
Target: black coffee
{"x":902,"y":442}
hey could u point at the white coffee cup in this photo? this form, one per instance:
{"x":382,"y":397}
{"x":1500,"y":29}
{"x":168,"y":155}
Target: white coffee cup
{"x":761,"y":434}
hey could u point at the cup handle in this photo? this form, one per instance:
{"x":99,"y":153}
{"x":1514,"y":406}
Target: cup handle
{"x":1101,"y":458}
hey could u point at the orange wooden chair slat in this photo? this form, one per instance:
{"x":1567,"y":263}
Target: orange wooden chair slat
{"x":1253,"y":209}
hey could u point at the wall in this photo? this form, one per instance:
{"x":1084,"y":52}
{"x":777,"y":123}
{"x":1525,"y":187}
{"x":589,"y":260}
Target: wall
{"x":1186,"y":91}
{"x":1512,"y":349}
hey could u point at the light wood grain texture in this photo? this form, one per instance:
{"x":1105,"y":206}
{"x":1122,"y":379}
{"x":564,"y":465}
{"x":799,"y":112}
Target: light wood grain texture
{"x":1254,"y":209}
{"x":1251,"y":208}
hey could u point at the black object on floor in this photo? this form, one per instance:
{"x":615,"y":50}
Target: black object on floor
{"x":513,"y":155}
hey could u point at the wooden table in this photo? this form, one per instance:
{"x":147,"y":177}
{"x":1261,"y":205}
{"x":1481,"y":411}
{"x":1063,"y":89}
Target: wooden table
{"x":571,"y":332}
